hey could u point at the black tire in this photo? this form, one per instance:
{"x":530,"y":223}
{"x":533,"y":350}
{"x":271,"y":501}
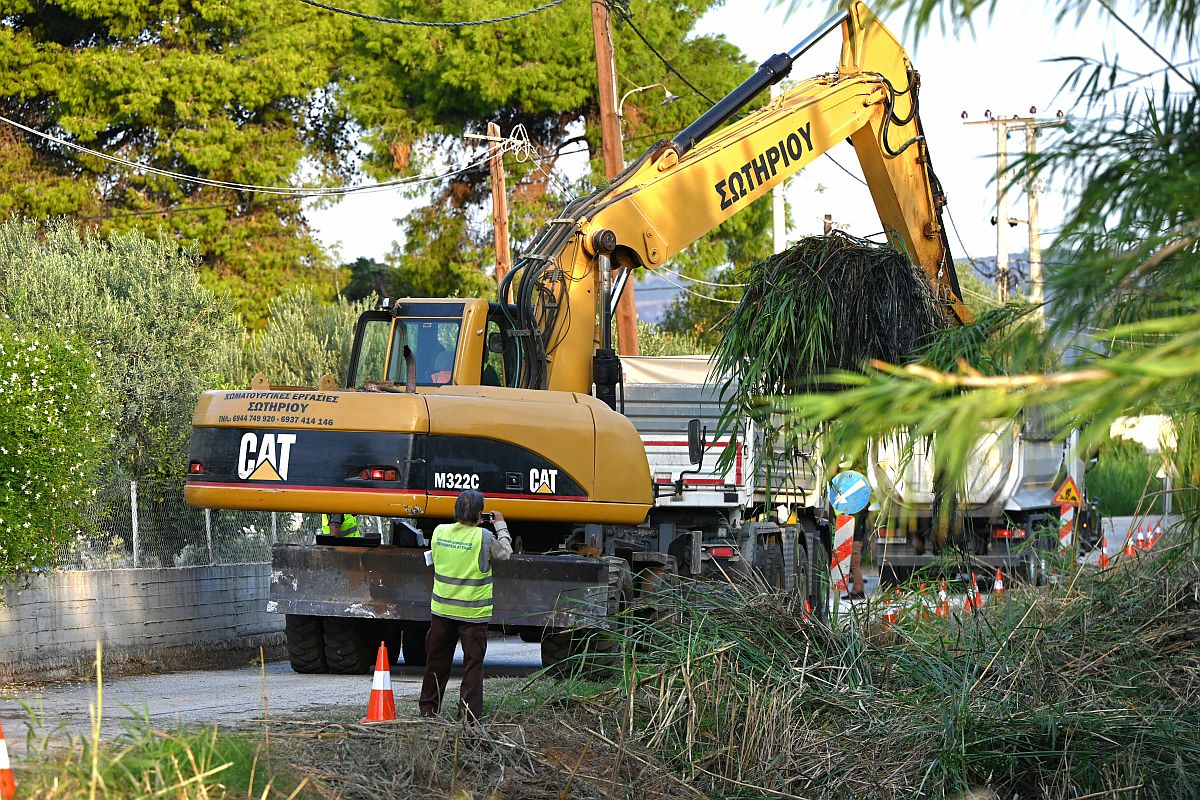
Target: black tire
{"x":305,"y":644}
{"x":413,"y":645}
{"x":818,"y":581}
{"x":530,"y":637}
{"x":593,"y":652}
{"x":801,"y":579}
{"x":771,"y":567}
{"x":556,"y":653}
{"x":347,"y":647}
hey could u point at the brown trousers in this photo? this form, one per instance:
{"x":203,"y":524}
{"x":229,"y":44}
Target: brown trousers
{"x":439,"y":649}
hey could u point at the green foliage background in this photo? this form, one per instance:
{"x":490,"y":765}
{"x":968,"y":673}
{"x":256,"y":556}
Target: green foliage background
{"x":158,"y":336}
{"x":1123,"y":473}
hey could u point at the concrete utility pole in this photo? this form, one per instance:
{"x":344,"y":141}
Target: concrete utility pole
{"x":614,"y":158}
{"x":1001,"y":212}
{"x":499,"y":202}
{"x":1036,"y":294}
{"x":1002,"y":221}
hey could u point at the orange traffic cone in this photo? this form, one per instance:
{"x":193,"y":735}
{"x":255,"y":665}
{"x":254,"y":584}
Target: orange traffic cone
{"x":973,"y":598}
{"x":807,"y":610}
{"x":943,"y":603}
{"x":8,"y":786}
{"x":891,"y":612}
{"x":1154,"y":537}
{"x":998,"y":584}
{"x":1129,"y":551}
{"x":1102,"y":562}
{"x":923,"y":603}
{"x":1140,"y":542}
{"x":383,"y":702}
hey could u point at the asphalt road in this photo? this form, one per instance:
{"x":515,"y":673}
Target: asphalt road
{"x":226,"y":696}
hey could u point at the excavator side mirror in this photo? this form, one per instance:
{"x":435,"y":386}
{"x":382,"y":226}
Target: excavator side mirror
{"x":695,"y":441}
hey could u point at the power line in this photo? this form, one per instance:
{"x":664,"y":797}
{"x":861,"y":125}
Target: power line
{"x":621,"y":8}
{"x":288,"y":191}
{"x":961,"y":244}
{"x":425,"y":24}
{"x":698,"y":280}
{"x":698,"y":294}
{"x":843,"y":168}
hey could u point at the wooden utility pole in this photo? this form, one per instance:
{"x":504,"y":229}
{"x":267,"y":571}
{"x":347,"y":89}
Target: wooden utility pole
{"x":499,"y":202}
{"x":614,"y":158}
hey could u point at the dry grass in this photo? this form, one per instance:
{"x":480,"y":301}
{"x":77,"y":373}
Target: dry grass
{"x":1088,"y":687}
{"x":550,"y":752}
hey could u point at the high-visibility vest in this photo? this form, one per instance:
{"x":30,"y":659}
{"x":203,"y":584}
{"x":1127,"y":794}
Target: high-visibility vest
{"x":462,"y":573}
{"x":349,"y":525}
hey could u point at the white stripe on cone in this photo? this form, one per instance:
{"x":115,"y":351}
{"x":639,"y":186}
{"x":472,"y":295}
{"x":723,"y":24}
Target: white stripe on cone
{"x":843,"y":534}
{"x":381,"y":681}
{"x":4,"y":755}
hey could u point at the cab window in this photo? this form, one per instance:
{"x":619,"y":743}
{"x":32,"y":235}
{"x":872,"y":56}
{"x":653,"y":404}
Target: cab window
{"x":434,"y":343}
{"x":373,"y":351}
{"x":500,"y":356}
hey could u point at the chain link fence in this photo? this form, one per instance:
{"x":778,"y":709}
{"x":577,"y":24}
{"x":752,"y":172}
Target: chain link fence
{"x":148,"y":524}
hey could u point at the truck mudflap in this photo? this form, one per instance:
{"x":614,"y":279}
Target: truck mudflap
{"x":392,"y":583}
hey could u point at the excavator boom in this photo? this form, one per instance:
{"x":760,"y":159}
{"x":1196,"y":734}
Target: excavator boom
{"x":682,"y":189}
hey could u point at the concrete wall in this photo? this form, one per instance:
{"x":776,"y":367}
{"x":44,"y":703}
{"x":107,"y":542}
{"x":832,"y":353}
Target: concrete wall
{"x":147,"y":619}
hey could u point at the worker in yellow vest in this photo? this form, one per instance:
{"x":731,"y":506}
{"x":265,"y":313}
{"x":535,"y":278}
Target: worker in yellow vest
{"x":339,"y":525}
{"x":461,"y":605}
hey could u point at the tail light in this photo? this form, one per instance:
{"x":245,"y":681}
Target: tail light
{"x":195,"y":468}
{"x":1008,"y":533}
{"x":379,"y":474}
{"x":721,"y":551}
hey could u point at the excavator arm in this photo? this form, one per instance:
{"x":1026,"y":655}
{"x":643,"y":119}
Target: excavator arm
{"x":681,"y":189}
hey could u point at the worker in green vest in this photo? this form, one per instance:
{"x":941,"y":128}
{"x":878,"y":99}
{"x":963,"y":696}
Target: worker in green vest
{"x":339,"y":525}
{"x":461,"y":605}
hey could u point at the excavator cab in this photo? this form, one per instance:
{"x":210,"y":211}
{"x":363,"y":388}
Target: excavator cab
{"x":448,"y":342}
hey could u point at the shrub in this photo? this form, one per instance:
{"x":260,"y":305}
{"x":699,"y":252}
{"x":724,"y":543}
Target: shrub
{"x":54,"y":434}
{"x":1118,"y":479}
{"x":306,"y":338}
{"x":654,"y":340}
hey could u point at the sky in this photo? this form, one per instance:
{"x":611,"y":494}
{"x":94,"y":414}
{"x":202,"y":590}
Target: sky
{"x":1002,"y":65}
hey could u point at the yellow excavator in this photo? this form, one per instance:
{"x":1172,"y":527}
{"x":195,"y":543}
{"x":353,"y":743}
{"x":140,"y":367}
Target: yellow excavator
{"x":519,"y":397}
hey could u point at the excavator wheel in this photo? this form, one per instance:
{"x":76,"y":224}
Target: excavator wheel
{"x":347,"y":646}
{"x":305,"y":643}
{"x":593,"y":652}
{"x":414,"y":645}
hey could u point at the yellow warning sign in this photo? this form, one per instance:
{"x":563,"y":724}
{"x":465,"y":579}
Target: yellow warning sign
{"x":1068,"y":494}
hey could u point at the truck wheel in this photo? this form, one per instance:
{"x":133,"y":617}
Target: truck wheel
{"x":413,"y":645}
{"x":800,"y":582}
{"x":771,"y":568}
{"x":347,"y":651}
{"x":818,"y":581}
{"x":305,"y":643}
{"x":1029,"y":568}
{"x":530,"y":637}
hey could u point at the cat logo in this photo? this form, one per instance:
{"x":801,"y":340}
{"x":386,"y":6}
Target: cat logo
{"x":543,"y":481}
{"x":266,"y":460}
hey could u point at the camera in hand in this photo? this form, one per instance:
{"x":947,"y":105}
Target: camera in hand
{"x":487,"y":516}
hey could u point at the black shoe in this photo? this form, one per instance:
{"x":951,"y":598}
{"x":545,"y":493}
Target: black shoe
{"x":854,"y":596}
